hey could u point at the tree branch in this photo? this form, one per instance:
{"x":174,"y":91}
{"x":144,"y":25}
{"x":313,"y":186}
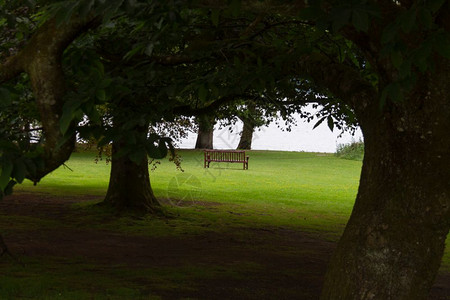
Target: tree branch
{"x":188,"y":110}
{"x":341,"y":80}
{"x":41,"y":58}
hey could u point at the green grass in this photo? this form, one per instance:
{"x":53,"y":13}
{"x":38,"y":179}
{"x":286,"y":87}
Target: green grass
{"x":310,"y":192}
{"x":314,"y":191}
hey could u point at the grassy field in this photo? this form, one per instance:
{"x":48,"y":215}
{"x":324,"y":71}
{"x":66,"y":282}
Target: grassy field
{"x":281,"y":194}
{"x":312,"y":190}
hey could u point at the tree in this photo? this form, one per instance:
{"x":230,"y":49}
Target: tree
{"x":116,"y":91}
{"x":129,"y":184}
{"x":393,"y":243}
{"x":250,"y":118}
{"x":385,"y":62}
{"x":205,"y":132}
{"x":245,"y":142}
{"x":41,"y":58}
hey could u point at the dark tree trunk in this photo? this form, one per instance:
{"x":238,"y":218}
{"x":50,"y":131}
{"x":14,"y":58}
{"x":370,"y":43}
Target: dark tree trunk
{"x":42,"y":60}
{"x":248,"y":118}
{"x":394,"y":241}
{"x":129,"y":184}
{"x":205,"y":132}
{"x":245,"y":142}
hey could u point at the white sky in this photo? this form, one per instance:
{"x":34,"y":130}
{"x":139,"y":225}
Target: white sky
{"x":301,"y":138}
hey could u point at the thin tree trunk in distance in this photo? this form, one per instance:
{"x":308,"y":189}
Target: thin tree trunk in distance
{"x":248,"y":118}
{"x":205,"y":132}
{"x":245,"y":141}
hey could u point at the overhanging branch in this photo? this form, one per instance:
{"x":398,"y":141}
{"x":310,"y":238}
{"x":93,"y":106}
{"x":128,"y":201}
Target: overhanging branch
{"x":342,"y":81}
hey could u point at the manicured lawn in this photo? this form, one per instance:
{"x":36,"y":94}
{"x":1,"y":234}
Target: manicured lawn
{"x":312,"y":190}
{"x":266,"y":232}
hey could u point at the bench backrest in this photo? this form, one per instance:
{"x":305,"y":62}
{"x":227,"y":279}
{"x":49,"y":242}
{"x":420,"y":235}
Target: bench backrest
{"x":225,"y":155}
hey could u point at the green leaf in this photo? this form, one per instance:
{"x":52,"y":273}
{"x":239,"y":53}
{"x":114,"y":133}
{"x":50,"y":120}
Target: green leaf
{"x":330,"y":122}
{"x":340,"y":17}
{"x":9,"y":187}
{"x":162,"y":147}
{"x":100,"y":67}
{"x":360,"y":21}
{"x":5,"y":97}
{"x":85,"y":8}
{"x":105,"y":83}
{"x":442,"y":44}
{"x":69,"y":112}
{"x":389,"y":33}
{"x":65,"y":12}
{"x":157,"y":151}
{"x":236,"y":62}
{"x":130,"y":6}
{"x":202,"y":93}
{"x":149,"y":49}
{"x":259,"y":62}
{"x":137,"y":48}
{"x":425,"y":17}
{"x":392,"y":91}
{"x":309,"y":13}
{"x":101,"y":95}
{"x":103,"y":142}
{"x":405,"y":69}
{"x":319,"y":122}
{"x":215,"y":15}
{"x":397,"y":59}
{"x":420,"y":56}
{"x":31,"y":167}
{"x":5,"y":176}
{"x":235,"y":7}
{"x":407,"y":20}
{"x":19,"y":171}
{"x":434,"y":5}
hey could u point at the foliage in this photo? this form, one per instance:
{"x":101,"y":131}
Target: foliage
{"x":363,"y":61}
{"x":352,"y":151}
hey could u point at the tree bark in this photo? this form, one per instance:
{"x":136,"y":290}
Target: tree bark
{"x":205,"y":132}
{"x":248,"y":128}
{"x":394,"y":241}
{"x":245,"y":142}
{"x":129,"y":186}
{"x":42,"y":60}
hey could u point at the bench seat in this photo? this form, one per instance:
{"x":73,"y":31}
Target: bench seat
{"x":230,"y":156}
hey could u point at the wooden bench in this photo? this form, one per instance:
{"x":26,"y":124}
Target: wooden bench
{"x":232,"y":156}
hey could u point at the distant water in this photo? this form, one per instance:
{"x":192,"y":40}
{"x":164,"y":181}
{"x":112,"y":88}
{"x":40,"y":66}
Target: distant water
{"x":302,"y":137}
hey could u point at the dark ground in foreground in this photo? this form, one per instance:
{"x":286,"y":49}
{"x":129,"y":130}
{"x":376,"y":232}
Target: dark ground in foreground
{"x":269,"y":263}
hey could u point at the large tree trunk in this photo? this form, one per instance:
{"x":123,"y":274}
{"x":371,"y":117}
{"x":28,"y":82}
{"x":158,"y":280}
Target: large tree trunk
{"x":394,"y":241}
{"x":205,"y":132}
{"x":129,"y":184}
{"x":41,"y":58}
{"x":245,"y":142}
